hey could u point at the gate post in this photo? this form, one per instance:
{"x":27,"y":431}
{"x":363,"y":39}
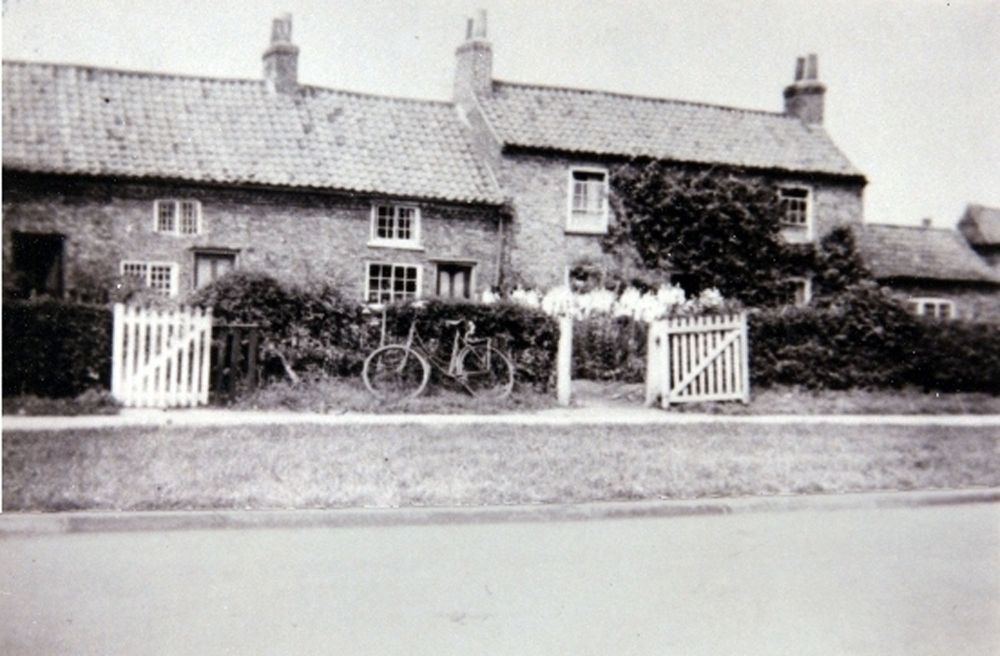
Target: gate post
{"x":564,"y":360}
{"x":654,"y":343}
{"x":117,"y":351}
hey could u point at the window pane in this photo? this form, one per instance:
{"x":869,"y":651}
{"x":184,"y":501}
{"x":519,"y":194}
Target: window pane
{"x":165,"y":215}
{"x":404,"y":223}
{"x":383,"y":228}
{"x":189,"y":217}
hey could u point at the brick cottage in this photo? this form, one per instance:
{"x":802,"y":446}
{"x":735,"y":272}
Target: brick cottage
{"x":174,"y":180}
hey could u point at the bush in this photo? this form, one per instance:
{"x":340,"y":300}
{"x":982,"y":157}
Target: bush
{"x":958,"y":357}
{"x":609,"y":348}
{"x":863,"y":338}
{"x":55,"y":349}
{"x":304,"y":328}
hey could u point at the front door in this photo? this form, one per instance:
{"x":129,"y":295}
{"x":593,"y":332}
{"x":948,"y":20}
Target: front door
{"x":38,"y":264}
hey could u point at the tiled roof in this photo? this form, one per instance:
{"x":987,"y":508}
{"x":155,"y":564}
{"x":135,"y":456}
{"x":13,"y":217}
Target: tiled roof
{"x":981,"y":225}
{"x":914,"y":252}
{"x":72,"y":119}
{"x":601,"y":123}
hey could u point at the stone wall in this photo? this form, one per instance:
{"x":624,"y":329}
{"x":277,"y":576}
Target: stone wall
{"x":288,"y":234}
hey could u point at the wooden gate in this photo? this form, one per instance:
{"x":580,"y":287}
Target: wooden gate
{"x":161,"y":358}
{"x":698,"y":359}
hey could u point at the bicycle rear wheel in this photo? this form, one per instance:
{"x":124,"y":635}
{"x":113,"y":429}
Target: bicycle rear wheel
{"x":485,"y":372}
{"x":395,"y":373}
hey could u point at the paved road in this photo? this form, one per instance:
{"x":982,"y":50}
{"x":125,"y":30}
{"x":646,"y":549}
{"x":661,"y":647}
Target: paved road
{"x":889,"y":581}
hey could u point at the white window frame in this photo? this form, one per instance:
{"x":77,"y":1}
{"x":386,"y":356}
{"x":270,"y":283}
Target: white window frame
{"x":570,"y":213}
{"x":149,"y":273}
{"x":919,"y":305}
{"x":177,"y":203}
{"x":413,"y":243}
{"x":788,"y":225}
{"x":367,"y":278}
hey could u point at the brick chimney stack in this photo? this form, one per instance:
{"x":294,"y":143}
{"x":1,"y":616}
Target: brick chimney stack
{"x":281,"y":59}
{"x":804,"y":96}
{"x":474,"y":61}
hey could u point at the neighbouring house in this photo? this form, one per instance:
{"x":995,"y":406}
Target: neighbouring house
{"x":172,"y":180}
{"x":981,"y":228}
{"x":551,"y":148}
{"x":935,"y":271}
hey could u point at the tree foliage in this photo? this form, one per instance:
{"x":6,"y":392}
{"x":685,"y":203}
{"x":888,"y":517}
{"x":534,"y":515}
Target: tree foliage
{"x":838,"y":264}
{"x":707,"y":229}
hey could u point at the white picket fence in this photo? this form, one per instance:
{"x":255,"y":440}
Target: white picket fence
{"x":698,"y":359}
{"x":160,"y":358}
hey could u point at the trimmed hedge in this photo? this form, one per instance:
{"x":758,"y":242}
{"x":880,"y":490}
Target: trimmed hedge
{"x":55,"y":349}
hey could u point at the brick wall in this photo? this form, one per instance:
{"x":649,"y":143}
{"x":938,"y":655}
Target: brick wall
{"x":973,"y":301}
{"x":542,"y":249}
{"x":289,"y":234}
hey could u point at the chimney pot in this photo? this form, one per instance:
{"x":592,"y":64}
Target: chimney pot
{"x":812,"y":67}
{"x":926,"y":222}
{"x":281,"y":59}
{"x":480,"y":31}
{"x":474,"y":62}
{"x":804,"y":96}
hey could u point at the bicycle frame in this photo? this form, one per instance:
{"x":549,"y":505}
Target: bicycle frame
{"x":460,"y":341}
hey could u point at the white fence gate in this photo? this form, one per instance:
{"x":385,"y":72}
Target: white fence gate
{"x":161,"y":359}
{"x":698,"y":359}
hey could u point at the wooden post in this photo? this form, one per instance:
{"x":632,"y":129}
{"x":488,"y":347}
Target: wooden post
{"x":665,"y":364}
{"x":654,"y":343}
{"x":565,"y":360}
{"x":117,"y":351}
{"x":745,"y":343}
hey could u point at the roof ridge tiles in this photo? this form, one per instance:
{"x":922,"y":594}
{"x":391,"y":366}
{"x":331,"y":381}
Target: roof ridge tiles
{"x":212,"y":78}
{"x":638,"y":96}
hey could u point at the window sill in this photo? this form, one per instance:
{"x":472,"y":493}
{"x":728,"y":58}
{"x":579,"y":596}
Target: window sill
{"x":396,"y":245}
{"x":586,"y":231}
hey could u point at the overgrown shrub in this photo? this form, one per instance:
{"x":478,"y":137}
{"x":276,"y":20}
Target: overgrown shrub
{"x":958,"y":357}
{"x":609,"y":348}
{"x":55,"y":349}
{"x":304,"y":328}
{"x":861,"y":337}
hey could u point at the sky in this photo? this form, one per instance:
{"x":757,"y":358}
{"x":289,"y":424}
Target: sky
{"x":913,"y":87}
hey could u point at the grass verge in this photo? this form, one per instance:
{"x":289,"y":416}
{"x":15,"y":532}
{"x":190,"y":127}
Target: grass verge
{"x":307,"y":466}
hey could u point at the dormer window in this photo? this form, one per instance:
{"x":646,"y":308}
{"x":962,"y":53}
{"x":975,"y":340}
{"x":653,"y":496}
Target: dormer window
{"x":588,"y":201}
{"x":395,"y":226}
{"x":177,"y":217}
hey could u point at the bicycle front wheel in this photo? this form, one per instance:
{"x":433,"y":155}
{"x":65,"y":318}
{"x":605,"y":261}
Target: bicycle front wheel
{"x":485,"y":372}
{"x":395,"y":373}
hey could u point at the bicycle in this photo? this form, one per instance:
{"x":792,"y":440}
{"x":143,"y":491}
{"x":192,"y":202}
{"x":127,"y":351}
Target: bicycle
{"x":396,"y":372}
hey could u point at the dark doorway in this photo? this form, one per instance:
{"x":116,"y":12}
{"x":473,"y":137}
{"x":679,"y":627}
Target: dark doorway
{"x":38,"y":264}
{"x":454,"y":280}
